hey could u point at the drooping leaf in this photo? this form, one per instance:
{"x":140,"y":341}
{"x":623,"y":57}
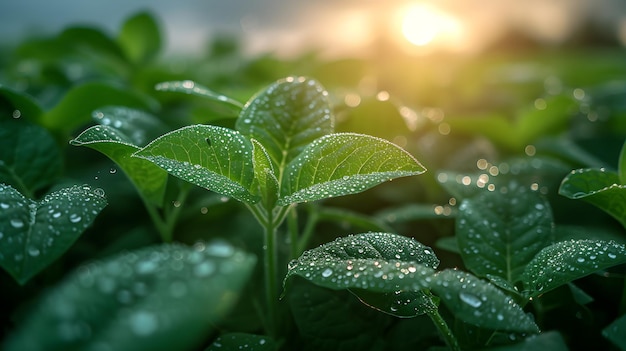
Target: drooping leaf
{"x":599,"y":187}
{"x":342,"y":164}
{"x":616,"y":332}
{"x":140,"y":38}
{"x":480,"y":303}
{"x":193,"y":88}
{"x":242,"y":341}
{"x":215,"y":158}
{"x":33,"y":234}
{"x":165,"y":297}
{"x":566,"y":261}
{"x":141,"y":127}
{"x":29,"y":157}
{"x":499,"y":233}
{"x":77,"y":105}
{"x":286,"y":117}
{"x":264,"y":174}
{"x":19,"y":105}
{"x":149,"y":179}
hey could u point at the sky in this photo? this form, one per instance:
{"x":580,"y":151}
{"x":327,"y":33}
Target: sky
{"x":288,"y":26}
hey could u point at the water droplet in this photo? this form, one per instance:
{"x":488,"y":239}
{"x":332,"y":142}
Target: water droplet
{"x":56,"y":215}
{"x":74,"y":218}
{"x":327,"y":273}
{"x":470,"y":299}
{"x":98,"y":191}
{"x":612,"y":255}
{"x":580,"y":259}
{"x":17,"y":114}
{"x":204,"y":269}
{"x":17,"y":223}
{"x":33,"y":251}
{"x":4,"y":206}
{"x":143,"y":323}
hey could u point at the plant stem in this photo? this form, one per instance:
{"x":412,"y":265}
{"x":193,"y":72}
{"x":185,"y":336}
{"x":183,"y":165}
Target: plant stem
{"x":444,"y":330}
{"x":271,"y":291}
{"x":292,"y":224}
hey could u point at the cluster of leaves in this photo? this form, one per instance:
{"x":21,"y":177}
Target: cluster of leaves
{"x":490,"y":249}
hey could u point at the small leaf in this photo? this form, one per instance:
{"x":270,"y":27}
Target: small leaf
{"x":215,"y":158}
{"x":33,"y":234}
{"x":286,"y":117}
{"x":500,"y":233}
{"x":29,"y":157}
{"x":598,"y":187}
{"x":149,"y":179}
{"x":480,"y":303}
{"x":342,"y":164}
{"x":193,"y":88}
{"x":138,"y":125}
{"x":165,"y":297}
{"x":264,"y":174}
{"x":616,"y":332}
{"x":566,"y":261}
{"x":140,"y":38}
{"x":242,"y":341}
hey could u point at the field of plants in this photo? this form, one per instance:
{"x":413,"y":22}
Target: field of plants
{"x":389,"y":202}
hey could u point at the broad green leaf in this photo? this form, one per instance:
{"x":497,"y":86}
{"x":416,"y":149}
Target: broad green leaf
{"x":335,"y":320}
{"x":242,"y":341}
{"x":565,"y":261}
{"x":33,"y":234}
{"x":140,"y":38}
{"x":403,"y":304}
{"x":193,"y":88}
{"x":139,"y":126}
{"x":77,"y":105}
{"x":499,"y":233}
{"x":149,"y":179}
{"x":264,"y":174}
{"x":165,"y":297}
{"x":551,"y":340}
{"x":215,"y":158}
{"x":480,"y":303}
{"x":29,"y":157}
{"x":286,"y":117}
{"x":342,"y":164}
{"x":616,"y":332}
{"x":20,"y":104}
{"x":599,"y":187}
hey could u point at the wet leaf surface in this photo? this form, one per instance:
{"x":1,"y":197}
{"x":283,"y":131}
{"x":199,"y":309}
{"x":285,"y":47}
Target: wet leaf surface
{"x":242,"y":341}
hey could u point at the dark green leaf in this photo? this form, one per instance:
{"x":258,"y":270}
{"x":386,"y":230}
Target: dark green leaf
{"x":264,"y":174}
{"x":138,"y":125}
{"x":193,"y":88}
{"x":33,"y":234}
{"x":140,"y":38}
{"x":403,"y":304}
{"x":29,"y":157}
{"x":342,"y":164}
{"x":286,"y":117}
{"x":480,"y":303}
{"x":598,"y":187}
{"x":616,"y":332}
{"x":149,"y":179}
{"x":566,"y":261}
{"x":551,"y":340}
{"x":164,"y":297}
{"x":215,"y":158}
{"x":242,"y":341}
{"x":499,"y":233}
{"x":21,"y":104}
{"x":621,"y":165}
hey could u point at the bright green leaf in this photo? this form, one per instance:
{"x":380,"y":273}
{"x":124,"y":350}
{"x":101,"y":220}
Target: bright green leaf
{"x":342,"y":164}
{"x":286,"y":117}
{"x":29,"y":157}
{"x":598,"y":187}
{"x":165,"y":297}
{"x":149,"y":179}
{"x":193,"y":88}
{"x":36,"y":233}
{"x":499,"y":233}
{"x":566,"y":261}
{"x":480,"y":303}
{"x":215,"y":158}
{"x":140,"y":38}
{"x":242,"y":341}
{"x":616,"y":332}
{"x":264,"y":174}
{"x":139,"y":126}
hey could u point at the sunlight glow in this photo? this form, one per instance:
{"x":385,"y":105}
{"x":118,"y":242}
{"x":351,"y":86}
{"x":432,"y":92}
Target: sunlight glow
{"x":423,"y":24}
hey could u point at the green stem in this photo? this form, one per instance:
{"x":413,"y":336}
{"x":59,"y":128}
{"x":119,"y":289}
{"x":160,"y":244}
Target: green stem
{"x":308,"y":230}
{"x":271,"y":291}
{"x":292,"y":225}
{"x":444,"y":330}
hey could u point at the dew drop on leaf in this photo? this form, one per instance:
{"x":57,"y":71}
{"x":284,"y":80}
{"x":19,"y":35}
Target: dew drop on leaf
{"x":327,"y":273}
{"x":74,"y":218}
{"x":470,"y":299}
{"x":143,"y":323}
{"x":17,"y":223}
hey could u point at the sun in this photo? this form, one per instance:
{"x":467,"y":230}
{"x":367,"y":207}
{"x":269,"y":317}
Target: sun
{"x":423,"y":24}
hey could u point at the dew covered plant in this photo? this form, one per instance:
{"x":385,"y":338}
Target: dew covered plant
{"x":142,"y":210}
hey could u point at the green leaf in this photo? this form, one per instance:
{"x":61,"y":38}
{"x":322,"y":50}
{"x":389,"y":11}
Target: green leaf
{"x":29,"y":157}
{"x":21,"y":104}
{"x":499,"y":233}
{"x":480,"y":303}
{"x":621,"y":165}
{"x":342,"y":164}
{"x":140,"y":38}
{"x":616,"y":332}
{"x":77,"y":105}
{"x":215,"y":158}
{"x":149,"y":179}
{"x":139,"y":126}
{"x":165,"y":297}
{"x":242,"y":341}
{"x":34,"y":234}
{"x":599,"y":187}
{"x":551,"y":340}
{"x":193,"y":88}
{"x":403,"y":304}
{"x":264,"y":174}
{"x":286,"y":117}
{"x":566,"y":261}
